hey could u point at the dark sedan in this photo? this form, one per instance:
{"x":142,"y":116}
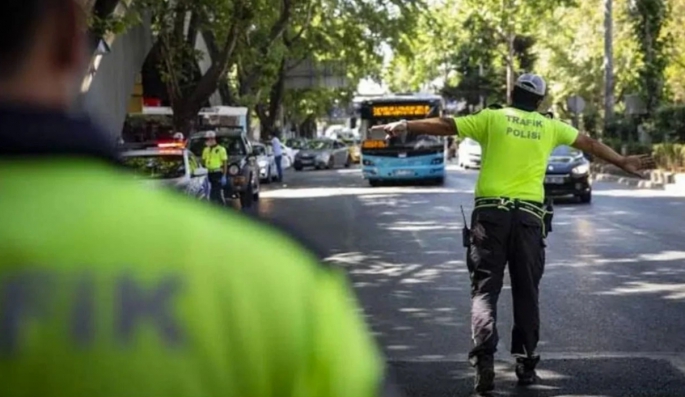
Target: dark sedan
{"x":568,"y":174}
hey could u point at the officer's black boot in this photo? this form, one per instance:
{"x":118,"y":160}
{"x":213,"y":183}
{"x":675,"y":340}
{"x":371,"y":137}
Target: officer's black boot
{"x":525,"y":370}
{"x":485,"y":375}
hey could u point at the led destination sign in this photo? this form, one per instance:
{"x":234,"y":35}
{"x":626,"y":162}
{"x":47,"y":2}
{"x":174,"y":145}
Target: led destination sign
{"x":400,"y":110}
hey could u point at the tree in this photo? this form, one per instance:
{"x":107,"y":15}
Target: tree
{"x":229,"y":27}
{"x":344,"y":33}
{"x":649,"y":18}
{"x":675,"y":70}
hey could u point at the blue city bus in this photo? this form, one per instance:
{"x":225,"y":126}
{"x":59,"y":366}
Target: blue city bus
{"x":409,"y":157}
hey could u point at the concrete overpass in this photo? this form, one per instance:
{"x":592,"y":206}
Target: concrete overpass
{"x":110,"y":78}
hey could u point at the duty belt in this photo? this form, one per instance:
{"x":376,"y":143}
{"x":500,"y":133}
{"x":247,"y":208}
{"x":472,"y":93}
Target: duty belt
{"x":505,"y":203}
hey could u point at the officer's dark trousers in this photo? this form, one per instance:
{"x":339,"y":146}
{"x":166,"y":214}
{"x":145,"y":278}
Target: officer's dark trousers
{"x":215,"y":187}
{"x":498,"y":237}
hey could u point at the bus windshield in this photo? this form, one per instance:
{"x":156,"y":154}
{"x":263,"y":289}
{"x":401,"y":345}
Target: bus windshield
{"x":408,"y":141}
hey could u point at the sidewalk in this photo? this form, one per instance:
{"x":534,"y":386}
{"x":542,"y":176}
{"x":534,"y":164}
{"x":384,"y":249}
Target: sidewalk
{"x":655,"y":179}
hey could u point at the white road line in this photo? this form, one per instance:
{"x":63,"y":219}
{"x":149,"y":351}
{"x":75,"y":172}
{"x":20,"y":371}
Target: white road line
{"x":677,"y":360}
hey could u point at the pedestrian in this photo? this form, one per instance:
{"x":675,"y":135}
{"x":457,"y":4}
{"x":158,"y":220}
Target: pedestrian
{"x":507,"y":224}
{"x":109,"y":288}
{"x":215,"y":159}
{"x":278,"y":155}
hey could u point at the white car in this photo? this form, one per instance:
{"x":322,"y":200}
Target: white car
{"x":266,"y":162}
{"x":164,"y":166}
{"x":469,"y":153}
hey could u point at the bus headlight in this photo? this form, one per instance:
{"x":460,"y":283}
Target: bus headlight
{"x":233,"y":169}
{"x":437,"y":160}
{"x":581,"y":170}
{"x":368,"y":162}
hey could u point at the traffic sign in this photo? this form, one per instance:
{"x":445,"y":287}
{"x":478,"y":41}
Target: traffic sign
{"x":576,"y":104}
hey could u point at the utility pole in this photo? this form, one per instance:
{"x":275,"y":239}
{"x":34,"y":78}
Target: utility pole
{"x":608,"y":62}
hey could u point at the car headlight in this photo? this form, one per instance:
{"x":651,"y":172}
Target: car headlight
{"x":581,"y":169}
{"x":233,"y":169}
{"x":263,"y":163}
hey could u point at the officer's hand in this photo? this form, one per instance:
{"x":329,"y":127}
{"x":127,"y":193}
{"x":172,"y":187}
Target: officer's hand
{"x":223,"y":180}
{"x":634,"y":164}
{"x":393,"y":129}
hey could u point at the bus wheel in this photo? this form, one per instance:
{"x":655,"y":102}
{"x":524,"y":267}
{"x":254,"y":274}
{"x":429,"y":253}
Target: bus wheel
{"x":440,"y":181}
{"x":374,"y":182}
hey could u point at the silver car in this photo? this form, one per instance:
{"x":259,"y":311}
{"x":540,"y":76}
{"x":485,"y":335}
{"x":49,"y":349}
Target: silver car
{"x":322,"y":153}
{"x":266,"y":161}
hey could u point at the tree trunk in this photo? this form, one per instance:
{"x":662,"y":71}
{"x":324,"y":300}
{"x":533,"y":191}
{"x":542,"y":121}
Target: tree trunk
{"x":510,"y":65}
{"x":185,"y":116}
{"x":608,"y":62}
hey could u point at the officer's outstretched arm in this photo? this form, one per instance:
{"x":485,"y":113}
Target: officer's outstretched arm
{"x":344,"y":358}
{"x":438,"y":126}
{"x":598,"y":149}
{"x":630,"y":164}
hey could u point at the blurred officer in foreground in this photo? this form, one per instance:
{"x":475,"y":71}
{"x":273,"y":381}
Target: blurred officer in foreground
{"x":111,"y":289}
{"x":508,"y":224}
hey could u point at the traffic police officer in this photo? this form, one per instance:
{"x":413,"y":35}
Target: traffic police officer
{"x":215,"y":158}
{"x":108,"y":288}
{"x":507,"y":224}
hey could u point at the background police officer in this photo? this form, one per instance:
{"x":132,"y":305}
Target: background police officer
{"x":507,"y":222}
{"x":215,"y":158}
{"x":108,"y":288}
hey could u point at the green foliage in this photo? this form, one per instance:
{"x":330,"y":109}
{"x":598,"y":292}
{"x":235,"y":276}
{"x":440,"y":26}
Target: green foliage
{"x":348,"y":33}
{"x":112,"y":24}
{"x":670,"y":122}
{"x":648,"y":21}
{"x":670,"y":156}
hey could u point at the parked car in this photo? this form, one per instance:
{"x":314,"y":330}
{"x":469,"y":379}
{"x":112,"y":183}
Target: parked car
{"x":354,"y":146}
{"x":322,"y":153}
{"x":160,"y":165}
{"x":568,"y":174}
{"x":243,"y":171}
{"x":266,"y":162}
{"x":469,"y":153}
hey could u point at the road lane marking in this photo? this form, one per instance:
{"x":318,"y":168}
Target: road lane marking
{"x":677,"y":360}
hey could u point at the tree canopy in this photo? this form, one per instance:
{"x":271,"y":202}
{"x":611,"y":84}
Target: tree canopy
{"x":468,"y":50}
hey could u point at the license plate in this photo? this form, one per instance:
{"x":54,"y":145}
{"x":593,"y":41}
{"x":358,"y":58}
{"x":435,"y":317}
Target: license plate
{"x":306,"y":161}
{"x":404,"y":172}
{"x":557,"y":180}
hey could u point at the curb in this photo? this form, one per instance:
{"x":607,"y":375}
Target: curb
{"x":632,"y":182}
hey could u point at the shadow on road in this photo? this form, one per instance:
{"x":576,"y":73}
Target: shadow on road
{"x":615,"y":377}
{"x":614,"y":282}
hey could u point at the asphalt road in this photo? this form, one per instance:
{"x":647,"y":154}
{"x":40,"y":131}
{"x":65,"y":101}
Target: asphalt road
{"x":612,"y":299}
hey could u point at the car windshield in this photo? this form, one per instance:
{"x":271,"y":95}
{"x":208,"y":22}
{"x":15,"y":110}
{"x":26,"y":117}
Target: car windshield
{"x":260,"y":150}
{"x":294,"y":143}
{"x":566,"y":151}
{"x":318,"y":145}
{"x":233,"y":144}
{"x":351,"y":142}
{"x":156,"y":166}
